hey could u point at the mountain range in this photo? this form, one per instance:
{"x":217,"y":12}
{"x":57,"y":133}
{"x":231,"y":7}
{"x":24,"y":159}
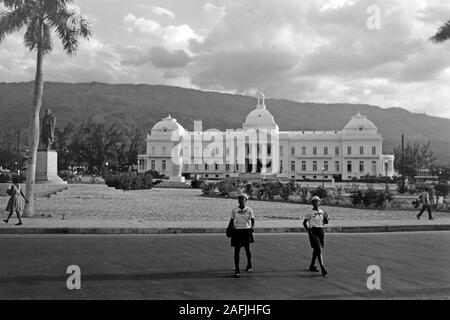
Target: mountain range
{"x":147,"y":104}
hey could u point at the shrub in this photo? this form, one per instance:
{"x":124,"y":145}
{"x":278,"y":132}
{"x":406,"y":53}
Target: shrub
{"x":208,"y":188}
{"x":5,"y":178}
{"x":320,"y":191}
{"x":357,"y":197}
{"x":227,"y":186}
{"x":155,"y":174}
{"x":196,"y":183}
{"x":130,"y":181}
{"x":66,"y":175}
{"x":442,"y":189}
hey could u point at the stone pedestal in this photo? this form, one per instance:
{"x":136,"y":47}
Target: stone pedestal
{"x":47,"y":167}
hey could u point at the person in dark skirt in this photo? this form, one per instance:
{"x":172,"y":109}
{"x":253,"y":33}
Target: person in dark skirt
{"x":242,"y":221}
{"x":15,"y":203}
{"x":314,"y":223}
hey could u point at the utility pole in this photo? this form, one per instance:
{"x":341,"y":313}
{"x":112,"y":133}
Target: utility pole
{"x":403,"y":162}
{"x":18,"y":151}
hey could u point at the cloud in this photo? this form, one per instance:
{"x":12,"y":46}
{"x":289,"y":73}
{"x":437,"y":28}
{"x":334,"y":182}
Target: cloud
{"x":174,"y":37}
{"x":162,"y":12}
{"x":163,"y":58}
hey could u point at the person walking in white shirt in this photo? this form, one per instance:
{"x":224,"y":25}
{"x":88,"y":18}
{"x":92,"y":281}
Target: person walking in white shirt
{"x":314,"y":223}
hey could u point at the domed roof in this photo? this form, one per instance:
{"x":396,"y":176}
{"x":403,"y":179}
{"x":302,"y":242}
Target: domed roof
{"x":260,"y":117}
{"x":168,"y":125}
{"x":360,"y":123}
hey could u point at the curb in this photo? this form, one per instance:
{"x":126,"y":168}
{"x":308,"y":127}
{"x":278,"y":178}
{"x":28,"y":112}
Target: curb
{"x":180,"y":230}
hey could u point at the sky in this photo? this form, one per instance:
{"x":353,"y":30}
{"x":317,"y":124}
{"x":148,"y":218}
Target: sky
{"x":338,"y":51}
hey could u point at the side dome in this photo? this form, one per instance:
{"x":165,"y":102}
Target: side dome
{"x":360,"y":124}
{"x":167,"y":126}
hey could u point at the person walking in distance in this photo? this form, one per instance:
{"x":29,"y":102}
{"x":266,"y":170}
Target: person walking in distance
{"x":426,"y":204}
{"x":15,"y":203}
{"x":242,"y":221}
{"x":314,"y":223}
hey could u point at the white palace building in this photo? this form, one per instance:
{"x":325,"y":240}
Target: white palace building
{"x":260,"y":149}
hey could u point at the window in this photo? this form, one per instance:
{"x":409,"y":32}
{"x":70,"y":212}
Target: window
{"x":336,"y":151}
{"x":269,"y":149}
{"x":227,"y":167}
{"x":292,"y":151}
{"x":325,"y":165}
{"x":361,"y":166}
{"x":336,"y":166}
{"x":303,"y":165}
{"x":196,"y":166}
{"x":164,"y":165}
{"x":163,"y":150}
{"x":374,"y":150}
{"x":303,"y":150}
{"x":349,"y":166}
{"x":314,"y":165}
{"x":206,"y":166}
{"x":281,"y":151}
{"x":153,"y":150}
{"x":186,"y":167}
{"x":228,"y":150}
{"x":361,"y":150}
{"x":141,"y":164}
{"x":314,"y":150}
{"x":216,"y":167}
{"x":374,"y":167}
{"x":153,"y":165}
{"x":325,"y":150}
{"x":292,"y":166}
{"x":281,"y":166}
{"x":349,"y":150}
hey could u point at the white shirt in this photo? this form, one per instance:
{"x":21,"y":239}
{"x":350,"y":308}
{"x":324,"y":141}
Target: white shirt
{"x":242,"y":217}
{"x":315,"y":218}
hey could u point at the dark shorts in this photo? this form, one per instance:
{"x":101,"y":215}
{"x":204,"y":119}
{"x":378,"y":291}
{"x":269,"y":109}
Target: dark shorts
{"x":241,"y":237}
{"x":317,"y":238}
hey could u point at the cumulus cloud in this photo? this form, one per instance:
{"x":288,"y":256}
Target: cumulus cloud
{"x":173,"y":37}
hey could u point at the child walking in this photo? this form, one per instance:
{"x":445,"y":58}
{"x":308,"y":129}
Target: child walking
{"x":314,"y":223}
{"x":15,"y":203}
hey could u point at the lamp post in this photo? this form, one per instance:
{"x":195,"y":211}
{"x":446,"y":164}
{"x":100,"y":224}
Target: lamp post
{"x":323,"y":177}
{"x":386,"y":172}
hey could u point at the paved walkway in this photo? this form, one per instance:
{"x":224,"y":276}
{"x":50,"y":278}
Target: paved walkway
{"x":124,"y":226}
{"x":103,"y":203}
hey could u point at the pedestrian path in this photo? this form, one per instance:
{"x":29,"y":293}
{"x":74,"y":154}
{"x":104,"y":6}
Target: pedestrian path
{"x":124,"y":226}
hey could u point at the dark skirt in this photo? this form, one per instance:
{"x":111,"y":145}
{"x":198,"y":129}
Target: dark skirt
{"x":241,"y":237}
{"x":317,"y":238}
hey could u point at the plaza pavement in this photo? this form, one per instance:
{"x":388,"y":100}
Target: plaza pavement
{"x":97,"y":209}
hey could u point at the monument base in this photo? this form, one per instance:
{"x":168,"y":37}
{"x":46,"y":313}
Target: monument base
{"x":47,"y":167}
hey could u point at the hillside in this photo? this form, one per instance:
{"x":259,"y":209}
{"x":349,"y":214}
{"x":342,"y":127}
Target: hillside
{"x":147,"y":104}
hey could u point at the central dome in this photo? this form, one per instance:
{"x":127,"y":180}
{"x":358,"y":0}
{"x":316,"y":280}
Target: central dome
{"x":260,"y":118}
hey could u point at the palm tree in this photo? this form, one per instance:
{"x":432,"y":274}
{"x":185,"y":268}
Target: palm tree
{"x":443,"y":33}
{"x":40,"y":17}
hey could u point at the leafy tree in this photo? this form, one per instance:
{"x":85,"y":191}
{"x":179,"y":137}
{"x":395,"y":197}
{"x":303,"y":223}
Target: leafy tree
{"x":39,"y":17}
{"x":129,"y":149}
{"x":416,"y":156}
{"x":97,"y":143}
{"x":443,"y":34}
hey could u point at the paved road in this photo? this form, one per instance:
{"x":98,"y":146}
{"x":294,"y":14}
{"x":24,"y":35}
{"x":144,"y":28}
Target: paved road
{"x":413,"y":265}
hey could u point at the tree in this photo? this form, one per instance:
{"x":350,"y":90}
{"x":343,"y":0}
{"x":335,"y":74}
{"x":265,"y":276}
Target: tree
{"x":416,"y":156}
{"x":39,"y":17}
{"x":97,"y":143}
{"x":129,"y":150}
{"x":443,"y":34}
{"x":63,"y":140}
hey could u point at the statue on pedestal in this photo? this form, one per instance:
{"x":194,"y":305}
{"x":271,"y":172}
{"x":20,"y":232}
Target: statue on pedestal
{"x":48,"y":130}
